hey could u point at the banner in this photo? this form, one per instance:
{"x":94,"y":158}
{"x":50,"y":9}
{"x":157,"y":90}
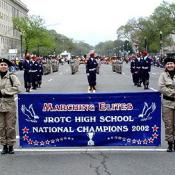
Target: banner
{"x":96,"y":119}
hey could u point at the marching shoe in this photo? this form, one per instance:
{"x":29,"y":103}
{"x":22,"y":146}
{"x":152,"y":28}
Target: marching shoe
{"x":170,"y":147}
{"x":11,"y":150}
{"x":94,"y":87}
{"x":5,"y":149}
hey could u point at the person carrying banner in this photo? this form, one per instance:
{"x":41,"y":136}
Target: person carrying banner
{"x":167,"y":88}
{"x":9,"y":86}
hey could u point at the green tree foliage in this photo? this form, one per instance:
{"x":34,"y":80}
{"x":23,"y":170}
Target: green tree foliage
{"x":33,"y":32}
{"x":136,"y":30}
{"x":82,"y":48}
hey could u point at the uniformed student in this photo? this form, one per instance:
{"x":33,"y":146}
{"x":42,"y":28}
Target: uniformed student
{"x":91,"y":71}
{"x":34,"y":72}
{"x":145,"y":69}
{"x":9,"y":86}
{"x":39,"y":72}
{"x":27,"y":67}
{"x":167,"y":88}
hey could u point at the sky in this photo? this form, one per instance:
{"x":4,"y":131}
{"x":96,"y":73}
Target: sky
{"x":90,"y":21}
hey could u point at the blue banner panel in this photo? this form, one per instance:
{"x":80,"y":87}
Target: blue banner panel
{"x":99,"y":119}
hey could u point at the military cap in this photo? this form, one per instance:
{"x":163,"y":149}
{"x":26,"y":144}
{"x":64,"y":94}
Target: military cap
{"x":3,"y":60}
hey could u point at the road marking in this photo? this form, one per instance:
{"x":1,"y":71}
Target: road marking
{"x":153,"y":89}
{"x":50,"y":79}
{"x":153,"y":73}
{"x":89,"y":150}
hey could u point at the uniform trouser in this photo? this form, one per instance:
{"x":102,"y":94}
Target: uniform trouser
{"x":39,"y":79}
{"x":7,"y":128}
{"x":135,"y":78}
{"x":92,"y":78}
{"x":27,"y":80}
{"x":145,"y":78}
{"x":34,"y":80}
{"x":168,"y":118}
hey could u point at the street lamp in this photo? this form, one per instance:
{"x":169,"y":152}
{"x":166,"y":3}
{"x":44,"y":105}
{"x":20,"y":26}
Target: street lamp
{"x":145,"y":43}
{"x":161,"y":44}
{"x":21,"y":45}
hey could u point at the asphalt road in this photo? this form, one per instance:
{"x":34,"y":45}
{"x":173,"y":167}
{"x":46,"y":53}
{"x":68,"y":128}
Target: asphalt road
{"x":98,"y":161}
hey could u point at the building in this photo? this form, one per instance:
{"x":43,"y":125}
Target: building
{"x":10,"y":39}
{"x":171,"y":48}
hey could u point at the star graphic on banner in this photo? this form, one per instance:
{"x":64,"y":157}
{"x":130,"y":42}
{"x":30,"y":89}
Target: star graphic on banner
{"x":57,"y":140}
{"x":128,"y":140}
{"x":145,"y":141}
{"x":155,"y":135}
{"x":119,"y":138}
{"x":61,"y":139}
{"x":65,"y":138}
{"x":25,"y":130}
{"x":30,"y":141}
{"x":151,"y":140}
{"x":116,"y":137}
{"x":47,"y":142}
{"x":25,"y":137}
{"x":124,"y":139}
{"x":68,"y":138}
{"x":42,"y":143}
{"x":134,"y":141}
{"x":155,"y":128}
{"x":139,"y":142}
{"x":52,"y":141}
{"x":112,"y":137}
{"x":35,"y":142}
{"x":108,"y":138}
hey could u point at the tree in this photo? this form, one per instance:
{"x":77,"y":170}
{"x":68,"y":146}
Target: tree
{"x":137,"y":30}
{"x":33,"y":32}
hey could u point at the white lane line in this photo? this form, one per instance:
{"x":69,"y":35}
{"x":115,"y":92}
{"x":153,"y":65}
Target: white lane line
{"x":153,"y":89}
{"x":153,"y":73}
{"x":50,"y":79}
{"x":89,"y":150}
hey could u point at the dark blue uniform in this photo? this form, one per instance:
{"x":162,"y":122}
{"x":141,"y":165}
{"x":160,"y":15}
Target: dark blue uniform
{"x":146,"y":68}
{"x":39,"y":73}
{"x":27,"y":66}
{"x":135,"y":69}
{"x":91,"y":72}
{"x":34,"y":73}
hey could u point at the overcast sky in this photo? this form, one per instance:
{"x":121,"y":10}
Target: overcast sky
{"x":91,"y":21}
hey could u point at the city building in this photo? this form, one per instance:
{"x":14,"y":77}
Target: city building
{"x":10,"y":39}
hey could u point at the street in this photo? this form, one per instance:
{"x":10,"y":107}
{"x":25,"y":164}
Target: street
{"x":94,"y":160}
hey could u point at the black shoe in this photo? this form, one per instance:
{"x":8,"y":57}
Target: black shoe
{"x":4,"y":150}
{"x":170,"y":147}
{"x":146,"y":87}
{"x":27,"y":90}
{"x":139,"y":85}
{"x":11,"y":150}
{"x":94,"y":88}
